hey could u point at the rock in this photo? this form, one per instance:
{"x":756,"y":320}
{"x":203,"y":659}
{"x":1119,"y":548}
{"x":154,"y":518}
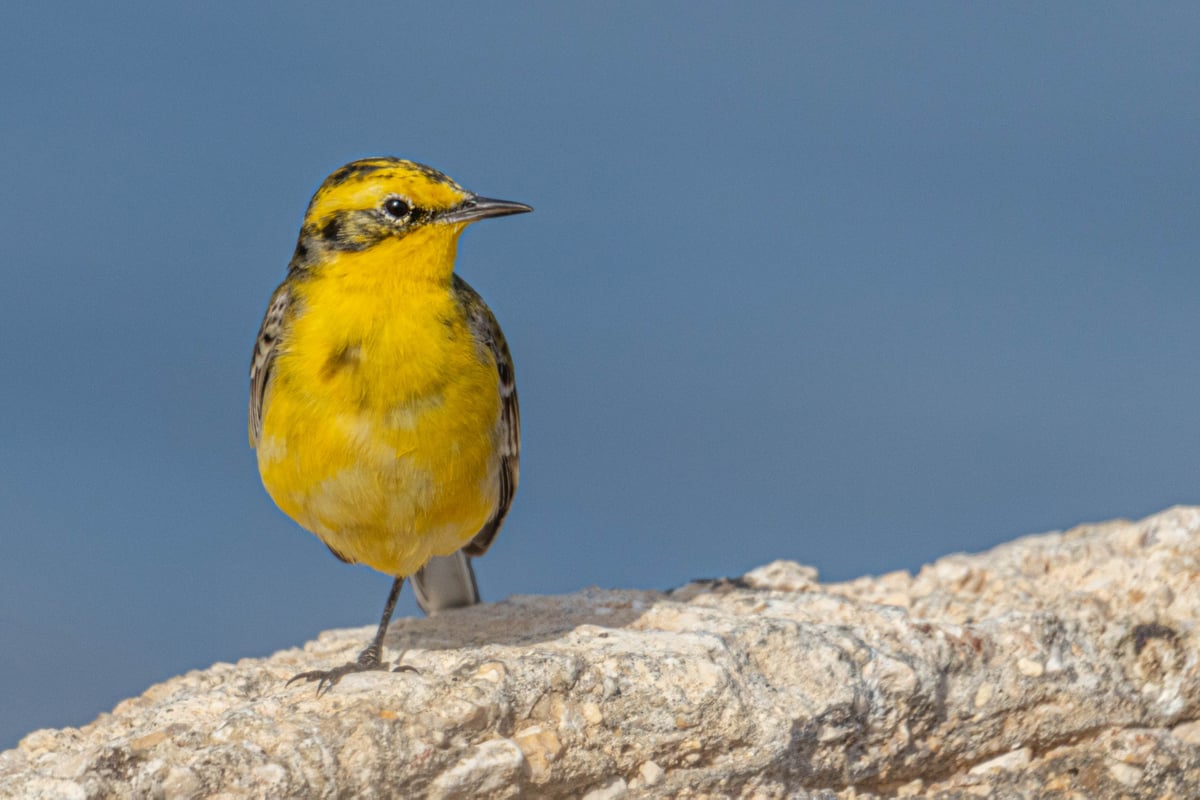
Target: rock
{"x":1060,"y":665}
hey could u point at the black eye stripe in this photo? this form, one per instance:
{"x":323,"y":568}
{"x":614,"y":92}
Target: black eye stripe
{"x":396,"y":208}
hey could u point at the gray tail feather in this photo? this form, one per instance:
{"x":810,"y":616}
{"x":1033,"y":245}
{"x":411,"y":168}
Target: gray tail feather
{"x":445,"y":582}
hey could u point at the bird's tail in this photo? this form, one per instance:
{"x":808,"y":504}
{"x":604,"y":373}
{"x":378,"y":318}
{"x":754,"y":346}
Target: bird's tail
{"x":445,"y":582}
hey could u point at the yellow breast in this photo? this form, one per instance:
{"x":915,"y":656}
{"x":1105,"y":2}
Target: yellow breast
{"x":380,"y":426}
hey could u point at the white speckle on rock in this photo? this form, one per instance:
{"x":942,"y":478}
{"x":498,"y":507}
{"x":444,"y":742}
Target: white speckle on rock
{"x":783,"y":576}
{"x":485,"y":769}
{"x":1002,"y":763}
{"x":614,"y":789}
{"x":1027,"y":666}
{"x":46,"y":789}
{"x":1187,"y":732}
{"x":650,"y":773}
{"x":180,"y":783}
{"x":591,"y":713}
{"x":1128,"y":775}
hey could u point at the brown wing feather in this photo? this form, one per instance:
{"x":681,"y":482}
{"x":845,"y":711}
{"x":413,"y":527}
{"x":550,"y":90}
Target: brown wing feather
{"x":264,"y":357}
{"x":488,"y":335}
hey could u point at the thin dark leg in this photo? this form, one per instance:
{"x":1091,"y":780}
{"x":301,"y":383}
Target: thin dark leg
{"x":369,"y":659}
{"x":374,"y":651}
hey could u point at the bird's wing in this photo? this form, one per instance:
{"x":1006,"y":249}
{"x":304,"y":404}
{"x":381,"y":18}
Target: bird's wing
{"x":264,"y":357}
{"x":487,"y":334}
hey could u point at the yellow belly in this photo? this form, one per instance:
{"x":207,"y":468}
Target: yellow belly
{"x":380,"y":433}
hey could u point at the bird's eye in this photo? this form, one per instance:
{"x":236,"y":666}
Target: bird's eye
{"x":396,"y":208}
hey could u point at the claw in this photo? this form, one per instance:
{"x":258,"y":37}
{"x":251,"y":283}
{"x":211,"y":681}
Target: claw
{"x":367,"y":661}
{"x":328,"y":678}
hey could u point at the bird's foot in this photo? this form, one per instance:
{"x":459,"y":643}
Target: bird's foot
{"x":367,"y":661}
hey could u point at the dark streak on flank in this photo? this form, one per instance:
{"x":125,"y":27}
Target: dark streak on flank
{"x":344,"y":357}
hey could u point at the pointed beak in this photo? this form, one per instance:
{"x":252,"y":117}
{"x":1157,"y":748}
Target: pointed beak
{"x":475,"y":207}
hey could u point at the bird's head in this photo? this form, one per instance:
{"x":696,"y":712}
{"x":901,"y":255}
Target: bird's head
{"x":378,"y":201}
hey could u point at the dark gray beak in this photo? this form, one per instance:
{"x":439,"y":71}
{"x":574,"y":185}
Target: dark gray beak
{"x":475,"y":207}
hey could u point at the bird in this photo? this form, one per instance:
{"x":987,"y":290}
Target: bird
{"x":383,"y":401}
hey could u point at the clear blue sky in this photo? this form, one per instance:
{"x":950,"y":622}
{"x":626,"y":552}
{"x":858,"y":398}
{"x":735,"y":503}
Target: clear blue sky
{"x":857,"y":285}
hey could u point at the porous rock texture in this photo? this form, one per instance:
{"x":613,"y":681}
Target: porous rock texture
{"x":1061,"y":665}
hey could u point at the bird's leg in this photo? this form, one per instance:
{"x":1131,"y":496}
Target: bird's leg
{"x":369,"y":659}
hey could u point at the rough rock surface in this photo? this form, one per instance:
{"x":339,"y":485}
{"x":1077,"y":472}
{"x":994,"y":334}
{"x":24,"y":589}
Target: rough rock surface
{"x":1062,"y":665}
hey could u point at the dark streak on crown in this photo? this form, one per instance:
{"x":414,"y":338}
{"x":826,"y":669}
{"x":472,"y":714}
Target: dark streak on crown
{"x":355,"y":169}
{"x":365,"y":166}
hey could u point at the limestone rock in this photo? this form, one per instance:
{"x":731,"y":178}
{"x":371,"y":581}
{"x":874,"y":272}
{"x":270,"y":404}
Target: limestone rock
{"x":1061,"y":665}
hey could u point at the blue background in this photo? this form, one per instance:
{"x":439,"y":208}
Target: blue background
{"x":857,"y":285}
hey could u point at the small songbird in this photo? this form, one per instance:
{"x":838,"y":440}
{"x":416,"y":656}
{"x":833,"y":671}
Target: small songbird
{"x":382,"y":398}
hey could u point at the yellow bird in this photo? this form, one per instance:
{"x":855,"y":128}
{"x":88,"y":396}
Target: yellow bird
{"x":383,"y":404}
